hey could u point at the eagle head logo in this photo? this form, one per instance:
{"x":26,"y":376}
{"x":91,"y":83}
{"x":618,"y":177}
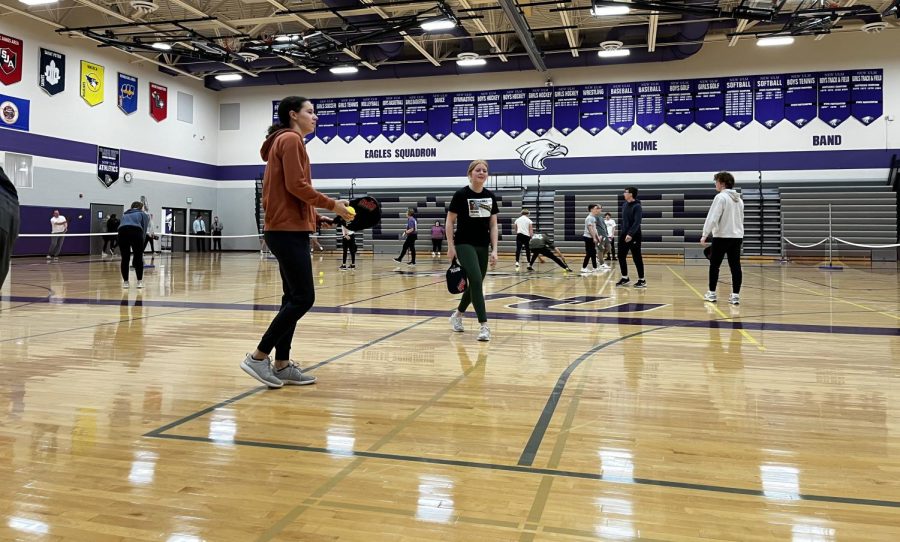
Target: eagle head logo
{"x":535,"y":152}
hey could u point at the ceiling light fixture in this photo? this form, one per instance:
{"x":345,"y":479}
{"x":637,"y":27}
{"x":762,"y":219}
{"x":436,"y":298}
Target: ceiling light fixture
{"x":774,"y":41}
{"x":609,"y":11}
{"x":612,"y":49}
{"x":161,"y":46}
{"x":37,"y":2}
{"x":229,"y":77}
{"x":343,"y":70}
{"x":438,"y":24}
{"x":285,"y":39}
{"x":467,"y":60}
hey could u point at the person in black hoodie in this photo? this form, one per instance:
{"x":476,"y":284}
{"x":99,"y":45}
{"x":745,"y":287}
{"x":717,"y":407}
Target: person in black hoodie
{"x":630,"y":238}
{"x":9,"y":222}
{"x":111,"y":240}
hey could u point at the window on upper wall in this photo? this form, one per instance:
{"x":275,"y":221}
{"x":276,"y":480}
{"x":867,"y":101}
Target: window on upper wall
{"x":18,"y":168}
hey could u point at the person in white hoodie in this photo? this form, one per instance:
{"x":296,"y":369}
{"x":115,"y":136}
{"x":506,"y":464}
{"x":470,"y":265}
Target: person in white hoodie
{"x":725,"y":222}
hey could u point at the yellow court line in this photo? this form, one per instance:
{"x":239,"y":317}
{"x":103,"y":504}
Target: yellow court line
{"x":830,"y":296}
{"x":718,"y":310}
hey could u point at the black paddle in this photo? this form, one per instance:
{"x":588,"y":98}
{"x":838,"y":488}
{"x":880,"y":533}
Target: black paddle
{"x":368,"y":214}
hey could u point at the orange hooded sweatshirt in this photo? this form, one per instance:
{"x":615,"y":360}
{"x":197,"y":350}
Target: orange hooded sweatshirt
{"x":289,"y":199}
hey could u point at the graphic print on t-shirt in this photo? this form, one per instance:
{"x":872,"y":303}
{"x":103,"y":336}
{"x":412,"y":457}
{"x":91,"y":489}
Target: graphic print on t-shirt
{"x":480,"y":207}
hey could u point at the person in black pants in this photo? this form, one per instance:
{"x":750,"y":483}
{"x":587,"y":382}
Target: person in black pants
{"x":411,"y":235}
{"x":630,"y":237}
{"x":132,"y":231}
{"x":725,"y":221}
{"x":111,"y":240}
{"x":290,"y":202}
{"x":348,"y":243}
{"x":9,"y":222}
{"x":543,"y":246}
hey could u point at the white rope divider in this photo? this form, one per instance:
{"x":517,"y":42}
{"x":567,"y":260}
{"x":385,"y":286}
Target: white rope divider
{"x":788,"y":241}
{"x":838,"y":239}
{"x":156,"y":236}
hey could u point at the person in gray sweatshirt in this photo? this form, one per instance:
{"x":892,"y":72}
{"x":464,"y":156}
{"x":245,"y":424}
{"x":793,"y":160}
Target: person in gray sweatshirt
{"x":725,"y":222}
{"x":132,"y":232}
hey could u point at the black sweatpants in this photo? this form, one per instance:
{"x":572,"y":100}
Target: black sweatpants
{"x":437,"y":245}
{"x":349,"y":245}
{"x":410,"y":245}
{"x":548,"y":253}
{"x":295,"y":265}
{"x":131,"y":245}
{"x":590,"y":253}
{"x":635,"y":247}
{"x":722,"y":246}
{"x":522,"y":240}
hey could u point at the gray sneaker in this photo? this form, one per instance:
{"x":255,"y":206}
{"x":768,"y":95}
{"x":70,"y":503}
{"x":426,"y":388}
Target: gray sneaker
{"x":262,"y":371}
{"x":292,"y":375}
{"x":456,"y":322}
{"x":485,"y":334}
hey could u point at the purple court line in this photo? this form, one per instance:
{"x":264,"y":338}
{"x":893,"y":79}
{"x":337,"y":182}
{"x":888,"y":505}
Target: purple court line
{"x":522,"y":317}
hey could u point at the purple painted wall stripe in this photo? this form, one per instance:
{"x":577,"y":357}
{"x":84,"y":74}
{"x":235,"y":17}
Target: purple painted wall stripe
{"x":27,"y":143}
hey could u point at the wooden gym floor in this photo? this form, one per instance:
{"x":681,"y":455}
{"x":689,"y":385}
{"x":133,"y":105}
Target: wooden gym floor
{"x":595,"y":413}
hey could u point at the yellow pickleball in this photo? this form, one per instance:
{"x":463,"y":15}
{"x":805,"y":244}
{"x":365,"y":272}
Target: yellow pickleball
{"x":352,"y":211}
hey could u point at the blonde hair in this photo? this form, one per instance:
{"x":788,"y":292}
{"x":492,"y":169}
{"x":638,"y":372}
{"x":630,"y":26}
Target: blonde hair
{"x":474,"y":164}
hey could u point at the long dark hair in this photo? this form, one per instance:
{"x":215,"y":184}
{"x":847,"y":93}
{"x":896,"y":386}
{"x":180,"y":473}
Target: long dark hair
{"x":291,"y":103}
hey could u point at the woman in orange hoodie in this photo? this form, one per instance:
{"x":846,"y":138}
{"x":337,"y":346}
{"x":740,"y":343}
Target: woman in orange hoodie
{"x":290,"y":203}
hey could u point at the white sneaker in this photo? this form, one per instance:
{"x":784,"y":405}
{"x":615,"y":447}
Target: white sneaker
{"x":602,"y":269}
{"x":485,"y":334}
{"x":517,"y":265}
{"x":585,"y":271}
{"x":456,"y":322}
{"x":734,"y":299}
{"x":125,"y":285}
{"x":710,"y":296}
{"x":140,"y":284}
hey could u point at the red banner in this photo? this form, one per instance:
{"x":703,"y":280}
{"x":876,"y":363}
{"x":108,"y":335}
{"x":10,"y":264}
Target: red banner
{"x":159,"y":102}
{"x":10,"y":60}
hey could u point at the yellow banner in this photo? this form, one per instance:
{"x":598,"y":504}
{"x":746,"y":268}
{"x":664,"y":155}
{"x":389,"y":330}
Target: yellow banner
{"x":91,"y":82}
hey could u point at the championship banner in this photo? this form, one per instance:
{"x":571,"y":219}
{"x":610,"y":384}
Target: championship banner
{"x":107,"y":165}
{"x":52,"y":74}
{"x":800,"y":99}
{"x":159,"y":102}
{"x":348,"y":119}
{"x":416,"y":114}
{"x":679,"y":104}
{"x":649,"y":112}
{"x":439,"y":115}
{"x":128,"y":93}
{"x":91,"y":83}
{"x":326,"y":126}
{"x":865,"y":94}
{"x":370,"y":118}
{"x":10,"y":60}
{"x":593,"y":109}
{"x":621,"y":106}
{"x":463,"y":114}
{"x":768,"y":100}
{"x":709,"y":103}
{"x":487,"y":113}
{"x":514,"y":112}
{"x":540,"y":110}
{"x":834,"y":97}
{"x":738,"y":101}
{"x":565,"y":109}
{"x":392,"y":117}
{"x":14,"y":113}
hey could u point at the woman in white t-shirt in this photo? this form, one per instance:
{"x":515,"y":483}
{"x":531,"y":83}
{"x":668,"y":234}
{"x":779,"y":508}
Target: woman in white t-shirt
{"x":611,"y":230}
{"x":524,"y":232}
{"x":58,"y":228}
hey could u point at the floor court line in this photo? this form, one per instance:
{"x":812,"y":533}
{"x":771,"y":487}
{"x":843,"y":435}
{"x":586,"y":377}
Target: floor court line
{"x":727,"y":323}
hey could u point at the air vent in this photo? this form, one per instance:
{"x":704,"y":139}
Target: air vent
{"x":143,"y":8}
{"x":874,"y":28}
{"x":249,"y":57}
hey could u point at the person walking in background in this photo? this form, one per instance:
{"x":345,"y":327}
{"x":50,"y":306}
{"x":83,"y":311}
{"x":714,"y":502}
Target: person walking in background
{"x":437,"y":239}
{"x":603,"y":244}
{"x":199,"y":229}
{"x":411,"y":235}
{"x":524,"y":231}
{"x":473,"y":212}
{"x":591,"y":239}
{"x":725,"y":222}
{"x":112,"y":228}
{"x":611,"y":232}
{"x":58,"y":228}
{"x":630,"y":237}
{"x":217,"y":228}
{"x":132,"y":234}
{"x":151,"y":235}
{"x":9,"y":222}
{"x":349,"y":245}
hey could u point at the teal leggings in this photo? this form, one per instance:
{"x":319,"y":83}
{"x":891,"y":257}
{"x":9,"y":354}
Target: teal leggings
{"x":475,"y":262}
